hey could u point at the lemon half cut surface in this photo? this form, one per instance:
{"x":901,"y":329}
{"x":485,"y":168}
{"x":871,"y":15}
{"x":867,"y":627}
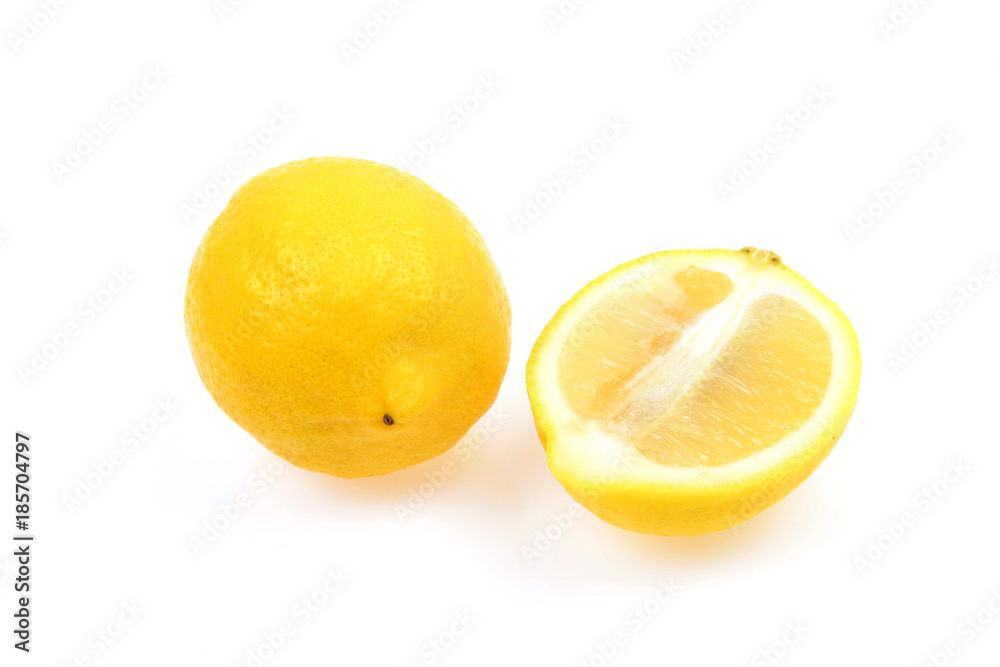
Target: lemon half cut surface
{"x":686,"y":391}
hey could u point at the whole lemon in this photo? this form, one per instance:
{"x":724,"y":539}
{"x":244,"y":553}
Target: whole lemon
{"x":348,"y":316}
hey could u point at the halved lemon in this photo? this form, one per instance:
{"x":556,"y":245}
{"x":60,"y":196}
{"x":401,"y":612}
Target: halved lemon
{"x":686,"y":391}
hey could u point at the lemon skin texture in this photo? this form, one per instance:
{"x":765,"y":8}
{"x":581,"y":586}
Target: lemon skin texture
{"x":693,"y":510}
{"x":348,"y":316}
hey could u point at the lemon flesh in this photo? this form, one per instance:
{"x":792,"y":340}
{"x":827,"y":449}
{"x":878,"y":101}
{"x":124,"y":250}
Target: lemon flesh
{"x":348,"y":316}
{"x":687,"y":391}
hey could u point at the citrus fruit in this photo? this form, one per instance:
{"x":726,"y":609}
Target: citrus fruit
{"x":348,"y":316}
{"x":686,"y":391}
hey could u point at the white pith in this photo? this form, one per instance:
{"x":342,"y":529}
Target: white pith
{"x":588,"y":450}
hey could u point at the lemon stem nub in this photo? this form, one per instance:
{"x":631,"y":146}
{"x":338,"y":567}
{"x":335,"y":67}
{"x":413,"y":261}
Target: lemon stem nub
{"x":389,"y":421}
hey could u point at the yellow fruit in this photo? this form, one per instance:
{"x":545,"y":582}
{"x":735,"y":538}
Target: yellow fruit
{"x":348,"y":316}
{"x":686,"y":391}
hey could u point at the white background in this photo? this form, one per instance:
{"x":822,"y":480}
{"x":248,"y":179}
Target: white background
{"x":654,"y":187}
